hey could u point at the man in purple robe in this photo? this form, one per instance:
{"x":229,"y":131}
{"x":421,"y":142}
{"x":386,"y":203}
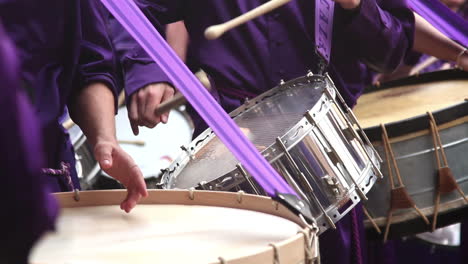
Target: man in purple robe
{"x":28,"y":208}
{"x":254,"y":57}
{"x":66,"y":59}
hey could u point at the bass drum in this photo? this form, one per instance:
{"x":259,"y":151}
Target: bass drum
{"x":176,"y":227}
{"x":154,"y":148}
{"x":402,"y":105}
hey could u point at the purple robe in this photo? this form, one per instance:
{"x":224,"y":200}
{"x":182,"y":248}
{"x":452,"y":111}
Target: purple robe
{"x":254,"y":57}
{"x":28,"y":208}
{"x":62,"y":46}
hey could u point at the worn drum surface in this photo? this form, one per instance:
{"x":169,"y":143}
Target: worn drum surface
{"x":402,"y":105}
{"x":172,"y":227}
{"x":302,"y":132}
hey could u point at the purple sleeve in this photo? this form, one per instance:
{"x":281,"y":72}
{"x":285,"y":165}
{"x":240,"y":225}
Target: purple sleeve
{"x":139,"y":69}
{"x":96,"y":61}
{"x":29,"y":209}
{"x":382,"y":34}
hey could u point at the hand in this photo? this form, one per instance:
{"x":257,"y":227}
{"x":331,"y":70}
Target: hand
{"x":144,"y":102}
{"x":463,"y":63}
{"x":348,"y":4}
{"x":118,"y":164}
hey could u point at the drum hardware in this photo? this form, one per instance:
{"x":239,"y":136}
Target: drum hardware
{"x":349,"y":113}
{"x":309,"y":191}
{"x":247,"y":178}
{"x":311,"y":242}
{"x":189,"y":153}
{"x":331,"y":152}
{"x":333,"y":183}
{"x":446,"y":182}
{"x":400,"y":199}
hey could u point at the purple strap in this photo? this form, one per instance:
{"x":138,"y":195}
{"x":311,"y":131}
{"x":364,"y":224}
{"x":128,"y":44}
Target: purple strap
{"x":356,"y":240}
{"x":133,"y":20}
{"x":324,"y":27}
{"x":442,"y":18}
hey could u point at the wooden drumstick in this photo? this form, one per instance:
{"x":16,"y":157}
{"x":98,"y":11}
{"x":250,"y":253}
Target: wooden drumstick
{"x":68,"y":124}
{"x":179,"y":99}
{"x":132,"y":142}
{"x":214,"y":32}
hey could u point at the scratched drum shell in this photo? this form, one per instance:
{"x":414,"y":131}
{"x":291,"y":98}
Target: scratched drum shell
{"x":172,"y":226}
{"x":402,"y":106}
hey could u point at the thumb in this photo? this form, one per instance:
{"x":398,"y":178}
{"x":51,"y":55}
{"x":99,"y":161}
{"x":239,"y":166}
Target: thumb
{"x":103,"y":153}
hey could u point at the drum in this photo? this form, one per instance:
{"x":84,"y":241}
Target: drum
{"x":176,"y":227}
{"x":302,"y":131}
{"x":154,"y":148}
{"x":87,"y":168}
{"x":402,"y":106}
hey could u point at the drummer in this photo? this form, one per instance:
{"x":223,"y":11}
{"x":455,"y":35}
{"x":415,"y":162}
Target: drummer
{"x":256,"y":56}
{"x":66,"y":60}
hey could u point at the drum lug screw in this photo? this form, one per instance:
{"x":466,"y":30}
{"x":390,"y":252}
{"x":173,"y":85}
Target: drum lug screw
{"x":310,"y":73}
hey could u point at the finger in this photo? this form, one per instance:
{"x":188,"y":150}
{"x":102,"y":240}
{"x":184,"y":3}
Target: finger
{"x":153,"y":99}
{"x":141,"y":99}
{"x":103,"y":154}
{"x":133,"y":115}
{"x":135,"y":190}
{"x":168,"y":94}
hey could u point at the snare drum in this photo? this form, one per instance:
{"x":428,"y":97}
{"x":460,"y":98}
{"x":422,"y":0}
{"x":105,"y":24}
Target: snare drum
{"x":154,"y":148}
{"x":301,"y":130}
{"x":402,"y":106}
{"x":175,"y":227}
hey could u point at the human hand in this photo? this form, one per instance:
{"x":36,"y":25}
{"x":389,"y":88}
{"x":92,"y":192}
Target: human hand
{"x":348,"y":4}
{"x":463,"y":61}
{"x":118,"y":164}
{"x":145,"y":101}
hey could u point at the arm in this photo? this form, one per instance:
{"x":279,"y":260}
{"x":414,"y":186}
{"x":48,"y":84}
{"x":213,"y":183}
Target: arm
{"x":440,"y":46}
{"x":93,"y":104}
{"x":380,"y":33}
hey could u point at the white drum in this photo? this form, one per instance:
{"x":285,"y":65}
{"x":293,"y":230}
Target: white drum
{"x":175,"y":227}
{"x":154,"y":148}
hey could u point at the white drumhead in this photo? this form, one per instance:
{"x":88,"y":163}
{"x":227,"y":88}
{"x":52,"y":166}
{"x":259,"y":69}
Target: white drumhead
{"x":159,"y":234}
{"x":162,"y":143}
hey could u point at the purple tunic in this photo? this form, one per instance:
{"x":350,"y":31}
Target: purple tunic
{"x":63,"y":46}
{"x":28,"y":208}
{"x":254,"y":58}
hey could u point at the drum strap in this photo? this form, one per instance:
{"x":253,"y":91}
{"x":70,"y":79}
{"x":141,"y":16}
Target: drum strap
{"x":399,"y":197}
{"x":446,"y":182}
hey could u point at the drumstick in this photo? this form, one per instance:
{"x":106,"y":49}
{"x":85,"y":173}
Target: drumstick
{"x":68,"y":124}
{"x":179,"y":99}
{"x":214,"y":32}
{"x":132,"y":142}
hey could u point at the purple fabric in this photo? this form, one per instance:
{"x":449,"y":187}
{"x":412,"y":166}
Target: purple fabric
{"x":62,"y":46}
{"x":323,"y":27}
{"x":28,"y":209}
{"x":444,"y":19}
{"x":140,"y":28}
{"x":277,"y":46}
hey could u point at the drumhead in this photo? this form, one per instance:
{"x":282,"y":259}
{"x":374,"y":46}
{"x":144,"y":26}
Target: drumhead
{"x":158,"y":151}
{"x":402,"y":105}
{"x":262,"y":120}
{"x":179,"y":231}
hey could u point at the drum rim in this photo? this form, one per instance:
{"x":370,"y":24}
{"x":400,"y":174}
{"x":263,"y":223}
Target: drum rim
{"x":240,"y":200}
{"x":445,"y":75}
